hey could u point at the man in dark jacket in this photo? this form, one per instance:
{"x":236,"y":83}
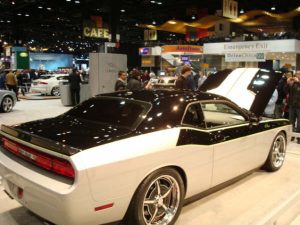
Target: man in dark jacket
{"x":294,"y":102}
{"x":121,"y":83}
{"x":182,"y":81}
{"x":74,"y":80}
{"x":134,"y":84}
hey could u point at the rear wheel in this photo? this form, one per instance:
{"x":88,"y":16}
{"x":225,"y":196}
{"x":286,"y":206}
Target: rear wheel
{"x":7,"y":104}
{"x":55,"y":91}
{"x":277,"y":153}
{"x":158,"y":200}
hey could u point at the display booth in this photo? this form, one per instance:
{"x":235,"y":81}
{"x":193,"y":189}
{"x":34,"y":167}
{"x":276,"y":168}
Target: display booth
{"x":50,"y":61}
{"x":173,"y":56}
{"x":104,"y":68}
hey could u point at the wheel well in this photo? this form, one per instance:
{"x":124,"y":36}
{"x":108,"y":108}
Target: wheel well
{"x":285,"y":134}
{"x":6,"y":96}
{"x":182,"y":174}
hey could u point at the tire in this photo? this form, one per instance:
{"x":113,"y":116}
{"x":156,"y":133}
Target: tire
{"x":7,"y":104}
{"x":158,"y":199}
{"x":55,"y":91}
{"x":277,"y":153}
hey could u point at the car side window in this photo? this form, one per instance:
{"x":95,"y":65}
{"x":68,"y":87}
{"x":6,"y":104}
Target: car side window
{"x":62,"y":78}
{"x":193,"y":116}
{"x":221,"y":114}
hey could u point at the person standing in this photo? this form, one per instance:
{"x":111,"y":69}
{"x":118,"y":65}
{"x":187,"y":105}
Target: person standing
{"x":121,"y":83}
{"x":74,"y":81}
{"x":294,"y":102}
{"x":2,"y":80}
{"x":202,"y":78}
{"x":134,"y":84}
{"x":12,"y":83}
{"x":270,"y":108}
{"x":182,"y":81}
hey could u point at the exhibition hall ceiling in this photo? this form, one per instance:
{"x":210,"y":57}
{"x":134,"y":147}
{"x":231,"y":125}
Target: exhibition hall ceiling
{"x":56,"y":24}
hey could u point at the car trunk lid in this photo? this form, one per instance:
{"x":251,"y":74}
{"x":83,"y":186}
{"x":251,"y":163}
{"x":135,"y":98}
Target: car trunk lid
{"x":250,"y":88}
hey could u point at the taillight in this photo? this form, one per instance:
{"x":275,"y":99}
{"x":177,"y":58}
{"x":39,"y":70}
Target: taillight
{"x":42,"y":82}
{"x":45,"y":161}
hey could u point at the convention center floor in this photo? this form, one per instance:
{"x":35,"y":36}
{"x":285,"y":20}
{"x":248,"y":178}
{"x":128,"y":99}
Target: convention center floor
{"x":259,"y":199}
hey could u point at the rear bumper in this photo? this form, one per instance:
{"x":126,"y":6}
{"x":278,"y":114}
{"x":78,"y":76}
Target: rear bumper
{"x":50,"y":196}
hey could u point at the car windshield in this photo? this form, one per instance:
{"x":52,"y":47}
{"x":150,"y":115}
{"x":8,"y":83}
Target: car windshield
{"x":112,"y":111}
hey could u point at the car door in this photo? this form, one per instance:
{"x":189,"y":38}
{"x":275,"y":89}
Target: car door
{"x":194,"y":142}
{"x":233,"y":144}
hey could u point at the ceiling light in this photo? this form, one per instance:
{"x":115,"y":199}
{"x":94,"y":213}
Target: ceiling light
{"x":13,"y":3}
{"x":152,"y":2}
{"x":77,"y":2}
{"x":19,"y":14}
{"x":242,"y":11}
{"x":273,"y":8}
{"x":172,"y":22}
{"x":193,"y":17}
{"x":40,"y":7}
{"x":49,"y":8}
{"x":137,"y":24}
{"x":153,"y":22}
{"x":159,"y":3}
{"x":27,"y":15}
{"x":122,"y":10}
{"x":8,"y":21}
{"x":68,"y":0}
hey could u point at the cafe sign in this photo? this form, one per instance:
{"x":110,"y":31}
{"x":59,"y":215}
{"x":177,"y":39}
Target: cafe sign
{"x":93,"y":28}
{"x":95,"y":32}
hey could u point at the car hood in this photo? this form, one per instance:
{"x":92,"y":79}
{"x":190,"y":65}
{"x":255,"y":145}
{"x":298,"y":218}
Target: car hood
{"x":250,"y":88}
{"x":66,"y":135}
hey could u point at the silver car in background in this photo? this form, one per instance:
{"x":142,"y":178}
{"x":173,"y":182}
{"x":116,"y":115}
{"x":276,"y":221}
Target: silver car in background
{"x":7,"y":100}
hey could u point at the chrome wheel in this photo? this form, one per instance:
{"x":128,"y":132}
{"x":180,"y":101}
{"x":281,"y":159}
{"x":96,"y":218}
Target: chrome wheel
{"x":7,"y":104}
{"x":161,"y":201}
{"x":278,"y":151}
{"x":55,"y":91}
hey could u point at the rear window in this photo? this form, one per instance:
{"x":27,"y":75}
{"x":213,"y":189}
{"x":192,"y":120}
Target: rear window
{"x":114,"y":111}
{"x":45,"y":77}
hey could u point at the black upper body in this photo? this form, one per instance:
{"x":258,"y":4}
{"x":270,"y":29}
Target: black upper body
{"x":74,"y":80}
{"x":181,"y":83}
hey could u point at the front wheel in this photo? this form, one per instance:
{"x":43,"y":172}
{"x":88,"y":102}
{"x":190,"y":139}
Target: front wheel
{"x":158,"y":200}
{"x":277,"y":153}
{"x":7,"y":104}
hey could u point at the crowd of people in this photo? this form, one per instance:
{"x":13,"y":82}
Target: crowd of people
{"x":138,"y":80}
{"x":284,"y":103}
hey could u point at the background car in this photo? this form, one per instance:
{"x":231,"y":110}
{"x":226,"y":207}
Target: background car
{"x":7,"y":100}
{"x":48,"y":84}
{"x":139,"y":156}
{"x":165,"y":82}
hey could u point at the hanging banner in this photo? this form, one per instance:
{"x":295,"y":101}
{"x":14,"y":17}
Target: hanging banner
{"x":150,"y":35}
{"x":245,"y":57}
{"x":169,"y":49}
{"x":230,"y":9}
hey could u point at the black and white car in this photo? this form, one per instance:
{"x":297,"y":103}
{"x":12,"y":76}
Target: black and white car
{"x":138,"y":156}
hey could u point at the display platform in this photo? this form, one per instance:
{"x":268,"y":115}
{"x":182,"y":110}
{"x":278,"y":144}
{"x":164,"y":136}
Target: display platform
{"x":37,"y":96}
